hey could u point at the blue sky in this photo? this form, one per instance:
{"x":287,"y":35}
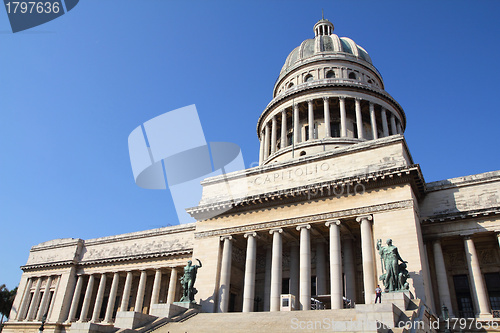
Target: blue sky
{"x":72,"y":90}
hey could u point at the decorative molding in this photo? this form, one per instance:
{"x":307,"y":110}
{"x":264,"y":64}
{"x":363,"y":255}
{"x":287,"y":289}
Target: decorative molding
{"x":108,"y":260}
{"x":462,"y":215}
{"x":403,"y":204}
{"x":411,"y":173}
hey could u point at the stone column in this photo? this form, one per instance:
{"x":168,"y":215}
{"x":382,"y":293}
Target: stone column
{"x":385,"y":127}
{"x":305,"y":266}
{"x":335,"y":265}
{"x":393,"y":124}
{"x":276,"y":270}
{"x":249,"y":283}
{"x":296,"y":124}
{"x":326,"y":107}
{"x":442,"y":279}
{"x":76,"y":299}
{"x":343,"y":126}
{"x":45,"y":299}
{"x":261,"y":150}
{"x":155,"y":295}
{"x":498,"y":237}
{"x":99,"y":298}
{"x":400,"y":129}
{"x":367,"y":253}
{"x":274,"y":130}
{"x":266,"y":141}
{"x":139,"y":300}
{"x":320,"y":268}
{"x":349,"y":269}
{"x":359,"y":118}
{"x":24,"y":304}
{"x":172,"y":284}
{"x":126,"y":292}
{"x":86,"y":300}
{"x":34,"y":300}
{"x":284,"y":140}
{"x":108,"y":318}
{"x":225,"y":273}
{"x":310,"y":118}
{"x":294,"y":272}
{"x":478,"y":285}
{"x":373,"y":120}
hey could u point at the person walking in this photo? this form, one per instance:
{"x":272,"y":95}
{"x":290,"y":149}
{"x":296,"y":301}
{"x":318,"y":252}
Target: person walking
{"x":378,"y":293}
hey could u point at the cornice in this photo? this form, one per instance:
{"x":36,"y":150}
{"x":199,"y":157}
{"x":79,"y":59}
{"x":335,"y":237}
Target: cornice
{"x":462,"y":215}
{"x":108,"y":260}
{"x":403,"y":204}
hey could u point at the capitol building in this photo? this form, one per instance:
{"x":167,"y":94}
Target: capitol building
{"x":293,"y":245}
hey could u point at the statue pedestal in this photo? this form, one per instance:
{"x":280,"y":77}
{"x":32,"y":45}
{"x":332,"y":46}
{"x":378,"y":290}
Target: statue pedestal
{"x":399,"y":298}
{"x":179,"y":307}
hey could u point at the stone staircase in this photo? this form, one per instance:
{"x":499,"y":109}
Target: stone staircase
{"x":398,"y":309}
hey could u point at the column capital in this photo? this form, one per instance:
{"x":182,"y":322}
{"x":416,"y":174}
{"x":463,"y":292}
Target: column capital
{"x":332,"y":222}
{"x":342,"y":97}
{"x":301,"y":226}
{"x":283,"y":111}
{"x":466,"y":236}
{"x":251,"y":233}
{"x":228,"y":237}
{"x":278,"y":230}
{"x":371,"y":104}
{"x":364,"y":217}
{"x":309,"y":101}
{"x":326,"y":98}
{"x":358,"y":99}
{"x":296,"y":105}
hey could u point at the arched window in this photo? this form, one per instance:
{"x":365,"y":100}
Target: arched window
{"x":290,"y":85}
{"x":370,"y":81}
{"x":302,"y":153}
{"x":308,"y":78}
{"x":330,"y":74}
{"x":352,"y":75}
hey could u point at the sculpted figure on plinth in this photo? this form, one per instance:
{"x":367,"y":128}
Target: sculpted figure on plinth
{"x":396,"y":274}
{"x":188,"y":280}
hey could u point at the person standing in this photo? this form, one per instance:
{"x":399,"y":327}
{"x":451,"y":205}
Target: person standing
{"x":378,"y":293}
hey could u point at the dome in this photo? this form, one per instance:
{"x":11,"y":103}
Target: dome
{"x":325,"y":45}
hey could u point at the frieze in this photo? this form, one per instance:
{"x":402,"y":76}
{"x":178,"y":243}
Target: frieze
{"x":312,"y":218}
{"x":486,"y":256}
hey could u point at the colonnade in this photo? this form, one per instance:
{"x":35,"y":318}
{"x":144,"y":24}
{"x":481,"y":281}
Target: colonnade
{"x":35,"y":305}
{"x":300,"y":266}
{"x":97,"y":301}
{"x":478,"y":287}
{"x":269,"y":137}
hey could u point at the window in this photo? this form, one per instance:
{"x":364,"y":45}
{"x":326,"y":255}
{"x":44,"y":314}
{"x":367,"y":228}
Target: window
{"x":302,"y":153}
{"x":330,"y":74}
{"x":335,"y":129}
{"x":355,"y":130}
{"x":285,"y":285}
{"x":493,"y":286}
{"x":307,"y":132}
{"x":290,"y":138}
{"x":308,"y":78}
{"x":464,"y":300}
{"x":290,"y":85}
{"x":352,"y":75}
{"x":370,"y":81}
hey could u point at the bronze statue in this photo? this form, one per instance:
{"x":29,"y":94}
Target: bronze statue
{"x":395,"y":275}
{"x":188,"y":280}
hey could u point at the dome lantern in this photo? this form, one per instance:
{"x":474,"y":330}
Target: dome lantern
{"x":323,"y":28}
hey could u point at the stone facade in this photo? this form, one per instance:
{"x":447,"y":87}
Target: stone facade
{"x":335,"y":176}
